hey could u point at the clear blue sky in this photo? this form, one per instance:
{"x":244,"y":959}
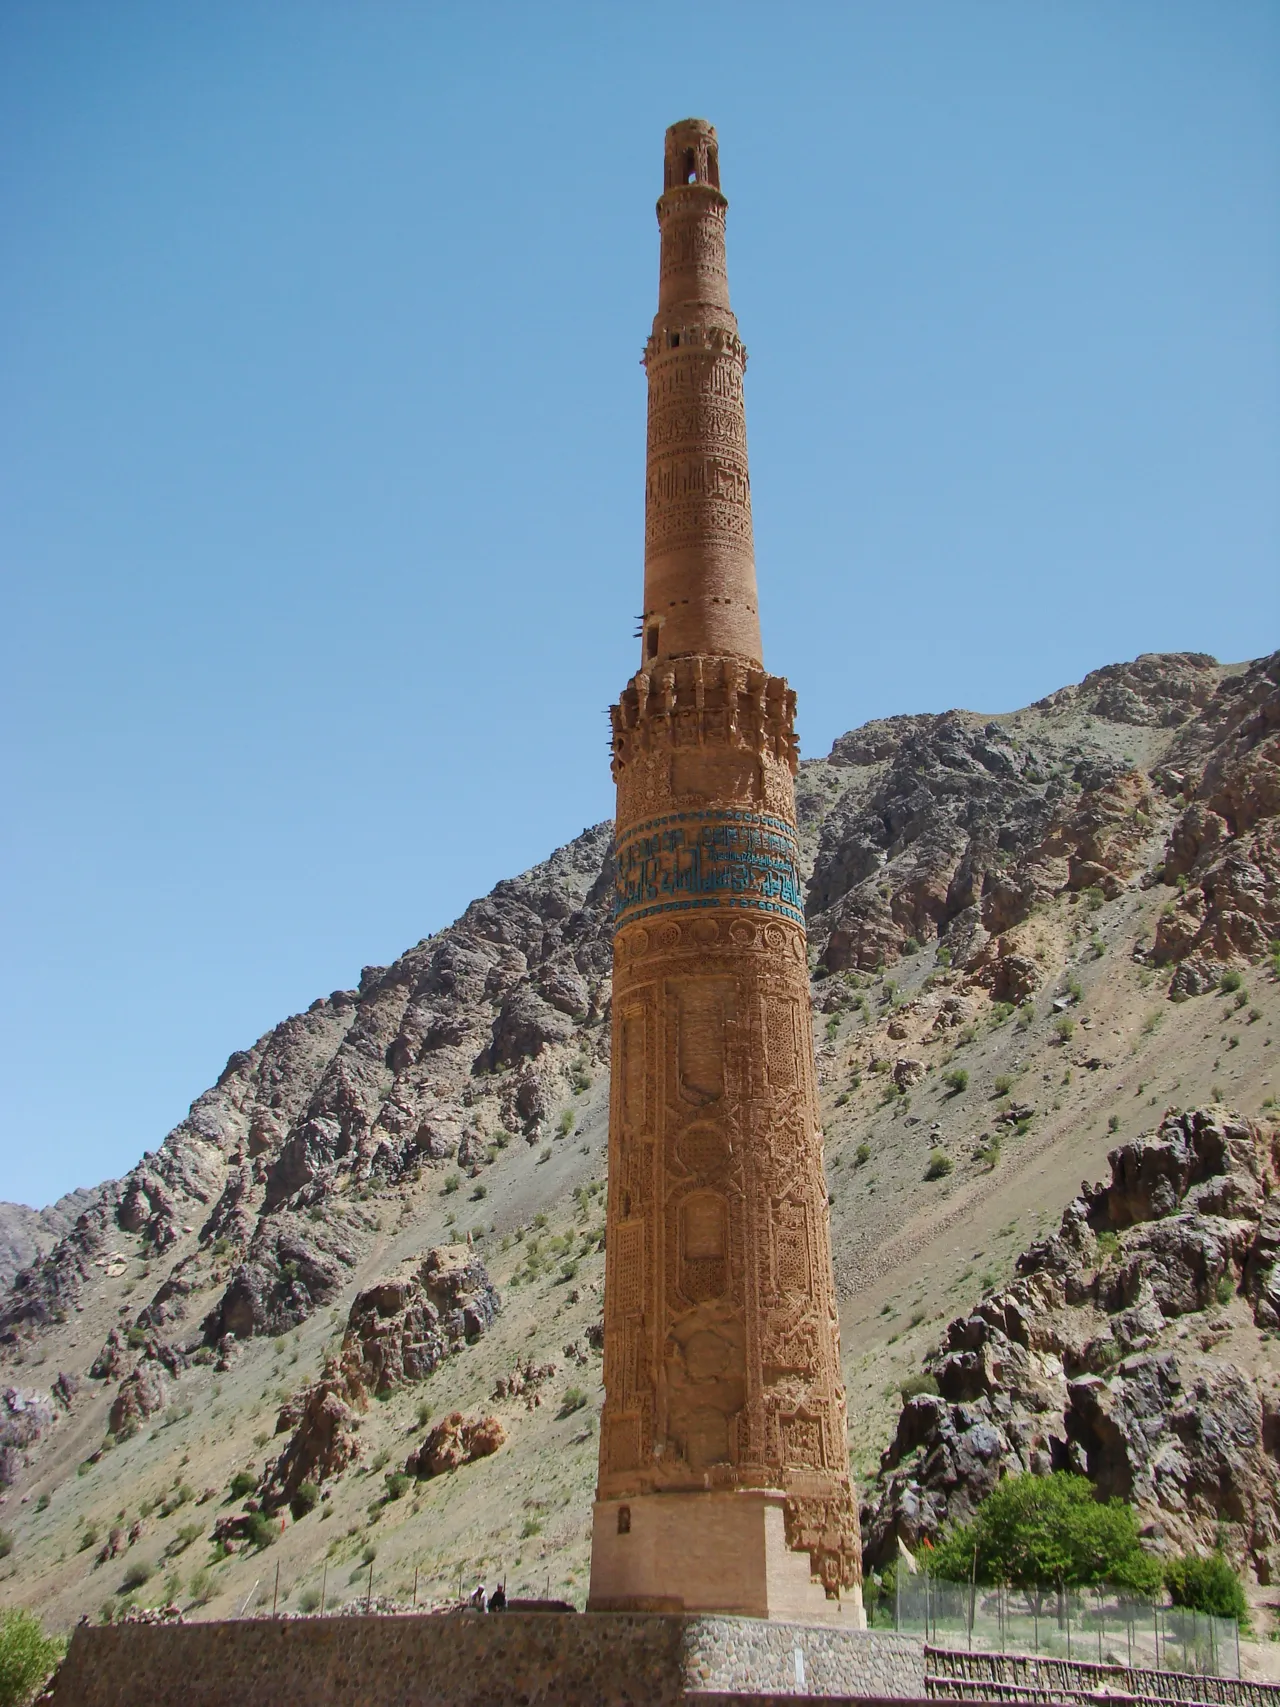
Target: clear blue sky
{"x":322,"y":428}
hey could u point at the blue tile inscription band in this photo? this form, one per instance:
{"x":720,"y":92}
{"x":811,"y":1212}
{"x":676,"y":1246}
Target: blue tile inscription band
{"x":709,"y":859}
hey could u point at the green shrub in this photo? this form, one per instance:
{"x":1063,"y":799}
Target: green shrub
{"x":451,"y":1184}
{"x":1225,"y":1290}
{"x":1064,"y":1028}
{"x":565,"y":1126}
{"x":138,"y":1573}
{"x":260,"y":1530}
{"x":423,"y":1412}
{"x":1229,"y":982}
{"x":1002,"y":1085}
{"x":27,"y":1656}
{"x":574,"y":1399}
{"x":398,"y":1484}
{"x":309,"y":1600}
{"x":530,"y":1527}
{"x":1033,"y":1531}
{"x":911,"y":946}
{"x":988,"y":1152}
{"x":1113,"y":1123}
{"x":914,"y":1385}
{"x":479,"y":1192}
{"x":306,"y":1499}
{"x":1206,"y":1585}
{"x":862,"y":1155}
{"x":940,"y":1165}
{"x":956,"y":1080}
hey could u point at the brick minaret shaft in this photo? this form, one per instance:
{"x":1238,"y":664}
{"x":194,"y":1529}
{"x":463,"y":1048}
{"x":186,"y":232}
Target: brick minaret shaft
{"x":724,"y":1478}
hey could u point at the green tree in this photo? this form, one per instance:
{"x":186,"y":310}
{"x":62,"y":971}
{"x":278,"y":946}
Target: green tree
{"x":1034,"y":1532}
{"x":27,"y":1656}
{"x":1207,"y":1585}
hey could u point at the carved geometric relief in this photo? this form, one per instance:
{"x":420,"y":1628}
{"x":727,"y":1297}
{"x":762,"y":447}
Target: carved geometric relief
{"x":704,"y":1007}
{"x":704,"y":1246}
{"x":801,"y":1441}
{"x":703,"y":1149}
{"x":791,"y":1249}
{"x":634,"y":1070}
{"x":727,"y":775}
{"x":793,"y":1352}
{"x":628,"y":1267}
{"x":703,"y":1226}
{"x":780,"y":1040}
{"x":622,"y":1443}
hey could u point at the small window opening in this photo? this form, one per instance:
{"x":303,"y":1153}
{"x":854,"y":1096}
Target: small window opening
{"x":651,"y":642}
{"x":675,"y":340}
{"x":624,"y":1520}
{"x":690,"y":166}
{"x":713,"y":168}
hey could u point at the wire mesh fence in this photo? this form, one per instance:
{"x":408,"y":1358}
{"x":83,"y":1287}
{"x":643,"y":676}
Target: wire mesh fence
{"x":1102,"y":1624}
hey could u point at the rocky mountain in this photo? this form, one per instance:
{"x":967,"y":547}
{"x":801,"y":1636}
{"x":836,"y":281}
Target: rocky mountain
{"x":1124,"y":1349}
{"x":1015,"y":920}
{"x":26,"y":1234}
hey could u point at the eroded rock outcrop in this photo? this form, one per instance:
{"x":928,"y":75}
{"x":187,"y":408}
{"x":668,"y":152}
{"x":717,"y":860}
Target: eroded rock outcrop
{"x":398,"y":1332}
{"x":454,"y":1441}
{"x":402,"y":1329}
{"x":1100,"y":1357}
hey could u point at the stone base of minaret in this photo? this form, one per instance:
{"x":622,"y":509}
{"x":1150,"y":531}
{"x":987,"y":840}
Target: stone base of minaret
{"x":715,"y":1551}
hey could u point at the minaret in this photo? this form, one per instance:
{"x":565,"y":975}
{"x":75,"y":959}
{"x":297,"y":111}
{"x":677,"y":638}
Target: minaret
{"x":724,"y":1475}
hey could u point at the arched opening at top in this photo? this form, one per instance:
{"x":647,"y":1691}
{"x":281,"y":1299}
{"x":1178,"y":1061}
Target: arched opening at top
{"x":713,"y":167}
{"x":690,"y":168}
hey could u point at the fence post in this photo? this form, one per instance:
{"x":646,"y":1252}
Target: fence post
{"x":275,"y":1595}
{"x":324,"y":1584}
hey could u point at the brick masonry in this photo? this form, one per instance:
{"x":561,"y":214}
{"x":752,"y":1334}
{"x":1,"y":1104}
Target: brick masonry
{"x":469,"y":1660}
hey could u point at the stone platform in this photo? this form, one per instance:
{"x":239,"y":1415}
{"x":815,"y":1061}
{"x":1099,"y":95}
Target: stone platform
{"x":509,"y":1659}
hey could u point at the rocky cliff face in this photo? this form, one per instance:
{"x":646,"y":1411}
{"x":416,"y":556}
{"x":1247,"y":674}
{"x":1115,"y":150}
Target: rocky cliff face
{"x":26,"y":1234}
{"x":1122,"y":1351}
{"x":968,"y":856}
{"x":959,"y":826}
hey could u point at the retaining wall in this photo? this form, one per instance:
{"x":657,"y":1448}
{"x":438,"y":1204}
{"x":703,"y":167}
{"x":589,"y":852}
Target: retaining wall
{"x":470,"y":1660}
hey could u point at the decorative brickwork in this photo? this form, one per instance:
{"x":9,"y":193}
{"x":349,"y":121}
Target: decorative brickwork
{"x":722,"y":1365}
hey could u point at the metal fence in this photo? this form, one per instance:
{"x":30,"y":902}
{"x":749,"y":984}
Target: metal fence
{"x":1104,"y":1625}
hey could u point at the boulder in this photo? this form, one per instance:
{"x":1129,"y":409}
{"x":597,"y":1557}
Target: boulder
{"x":455,"y":1440}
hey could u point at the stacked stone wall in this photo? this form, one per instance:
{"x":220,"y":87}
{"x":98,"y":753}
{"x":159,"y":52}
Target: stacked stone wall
{"x":467,"y":1660}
